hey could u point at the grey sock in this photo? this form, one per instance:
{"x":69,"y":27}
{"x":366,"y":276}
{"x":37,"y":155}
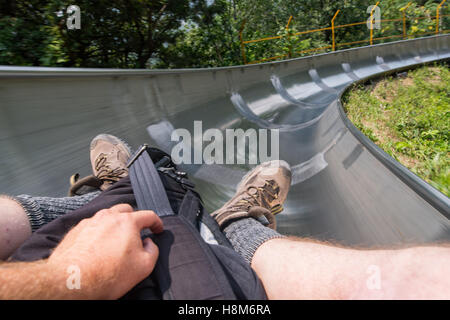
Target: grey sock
{"x":247,"y":234}
{"x":42,"y":210}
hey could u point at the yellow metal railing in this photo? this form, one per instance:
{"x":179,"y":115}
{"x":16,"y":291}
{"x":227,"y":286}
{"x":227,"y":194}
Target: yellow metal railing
{"x":403,"y":10}
{"x":242,"y":42}
{"x":371,"y":22}
{"x":333,"y":29}
{"x":438,"y":10}
{"x":289,"y":36}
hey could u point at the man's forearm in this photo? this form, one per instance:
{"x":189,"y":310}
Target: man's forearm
{"x":35,"y":280}
{"x":102,"y":257}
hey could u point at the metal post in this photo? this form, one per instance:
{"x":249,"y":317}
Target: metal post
{"x":404,"y":19}
{"x":371,"y":23}
{"x":437,"y":15}
{"x":332,"y":29}
{"x":289,"y":37}
{"x":244,"y":58}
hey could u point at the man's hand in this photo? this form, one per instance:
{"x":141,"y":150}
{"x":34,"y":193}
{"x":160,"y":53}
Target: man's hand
{"x":109,"y":252}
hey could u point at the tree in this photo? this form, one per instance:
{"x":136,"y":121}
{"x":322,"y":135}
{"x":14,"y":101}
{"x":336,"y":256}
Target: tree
{"x":24,"y":34}
{"x":191,"y":33}
{"x":122,"y":33}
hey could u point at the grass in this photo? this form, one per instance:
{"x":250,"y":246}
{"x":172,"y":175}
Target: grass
{"x":408,"y":116}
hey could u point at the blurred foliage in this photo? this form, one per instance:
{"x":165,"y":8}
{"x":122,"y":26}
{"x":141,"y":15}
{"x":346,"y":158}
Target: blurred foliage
{"x":190,"y":33}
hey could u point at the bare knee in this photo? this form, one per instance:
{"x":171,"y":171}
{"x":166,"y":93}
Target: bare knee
{"x":14,"y":226}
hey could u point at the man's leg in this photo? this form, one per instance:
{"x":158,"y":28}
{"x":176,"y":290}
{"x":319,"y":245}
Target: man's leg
{"x":294,"y":268}
{"x":15,"y":227}
{"x":304,"y":269}
{"x":259,"y":197}
{"x":21,"y":215}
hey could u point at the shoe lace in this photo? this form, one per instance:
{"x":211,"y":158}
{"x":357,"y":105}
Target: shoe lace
{"x":105,"y":172}
{"x":262,"y":197}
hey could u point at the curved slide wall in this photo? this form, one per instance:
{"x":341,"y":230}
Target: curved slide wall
{"x":344,"y":188}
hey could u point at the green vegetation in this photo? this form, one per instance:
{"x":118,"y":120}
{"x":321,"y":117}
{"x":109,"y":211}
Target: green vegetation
{"x":409,"y":118}
{"x":190,"y":33}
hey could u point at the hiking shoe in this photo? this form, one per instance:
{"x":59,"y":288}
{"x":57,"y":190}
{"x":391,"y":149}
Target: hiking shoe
{"x":261,"y":192}
{"x":109,"y":157}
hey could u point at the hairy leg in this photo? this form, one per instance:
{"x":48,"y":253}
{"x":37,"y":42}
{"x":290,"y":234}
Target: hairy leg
{"x":23,"y":214}
{"x":301,"y":269}
{"x":15,"y":227}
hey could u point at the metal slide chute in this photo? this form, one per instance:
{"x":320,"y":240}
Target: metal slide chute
{"x":344,"y":188}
